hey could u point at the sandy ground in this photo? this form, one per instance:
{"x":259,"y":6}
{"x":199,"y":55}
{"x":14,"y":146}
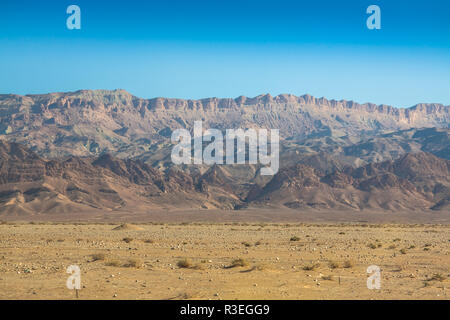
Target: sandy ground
{"x":414,"y":261}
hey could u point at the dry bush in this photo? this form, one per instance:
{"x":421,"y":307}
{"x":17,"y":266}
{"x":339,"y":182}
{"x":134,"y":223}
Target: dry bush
{"x":403,"y":251}
{"x":311,"y":267}
{"x":247,"y":244}
{"x":133,"y":263}
{"x":327,"y":277}
{"x":437,"y":277}
{"x":184,"y":263}
{"x":294,"y":238}
{"x":333,"y":265}
{"x":348,"y":264}
{"x":98,"y":257}
{"x":148,"y":241}
{"x":372,"y":246}
{"x":127,"y":239}
{"x":187,"y":264}
{"x":238,"y":263}
{"x":112,"y":263}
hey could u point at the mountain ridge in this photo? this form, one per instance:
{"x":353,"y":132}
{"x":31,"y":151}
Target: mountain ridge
{"x":238,"y":101}
{"x":92,"y":122}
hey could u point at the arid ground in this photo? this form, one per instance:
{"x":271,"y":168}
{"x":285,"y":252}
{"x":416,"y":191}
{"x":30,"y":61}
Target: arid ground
{"x":235,"y":260}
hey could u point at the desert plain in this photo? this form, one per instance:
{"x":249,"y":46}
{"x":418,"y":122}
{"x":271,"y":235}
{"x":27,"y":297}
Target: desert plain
{"x":224,"y":260}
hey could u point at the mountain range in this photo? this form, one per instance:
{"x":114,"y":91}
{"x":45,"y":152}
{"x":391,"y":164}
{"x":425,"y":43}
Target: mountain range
{"x":109,"y":150}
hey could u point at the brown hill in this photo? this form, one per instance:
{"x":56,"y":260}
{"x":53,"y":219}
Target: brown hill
{"x":30,"y":184}
{"x":418,"y":181}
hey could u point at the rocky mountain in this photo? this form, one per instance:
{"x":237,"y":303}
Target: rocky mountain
{"x":417,"y":181}
{"x":93,"y":122}
{"x":109,"y":150}
{"x":31,"y":185}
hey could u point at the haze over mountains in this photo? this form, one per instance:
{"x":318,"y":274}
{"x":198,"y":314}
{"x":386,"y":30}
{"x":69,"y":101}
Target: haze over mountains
{"x":109,"y":150}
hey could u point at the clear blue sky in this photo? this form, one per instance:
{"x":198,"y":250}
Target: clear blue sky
{"x":227,"y":48}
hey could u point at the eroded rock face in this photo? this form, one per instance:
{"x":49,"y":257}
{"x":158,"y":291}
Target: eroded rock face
{"x":89,"y":123}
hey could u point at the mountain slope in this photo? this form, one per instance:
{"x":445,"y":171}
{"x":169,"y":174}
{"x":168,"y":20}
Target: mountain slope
{"x":418,"y":181}
{"x":30,"y":184}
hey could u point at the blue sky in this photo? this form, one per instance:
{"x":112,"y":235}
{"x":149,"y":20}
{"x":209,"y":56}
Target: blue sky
{"x":199,"y":48}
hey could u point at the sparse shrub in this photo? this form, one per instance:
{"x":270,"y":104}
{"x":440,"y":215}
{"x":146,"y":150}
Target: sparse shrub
{"x":403,"y":251}
{"x":426,"y":249}
{"x":257,"y":243}
{"x":132,"y":263}
{"x":127,"y":239}
{"x":397,"y":239}
{"x":348,"y":264}
{"x":98,"y":257}
{"x":247,"y":244}
{"x":112,"y":263}
{"x":148,"y":241}
{"x":184,"y":263}
{"x":238,"y":263}
{"x":411,"y":247}
{"x":392,"y":246}
{"x":333,"y":265}
{"x":372,"y":246}
{"x":187,"y":264}
{"x":341,"y":232}
{"x":311,"y":267}
{"x":295,"y":238}
{"x":437,"y":277}
{"x":327,"y":278}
